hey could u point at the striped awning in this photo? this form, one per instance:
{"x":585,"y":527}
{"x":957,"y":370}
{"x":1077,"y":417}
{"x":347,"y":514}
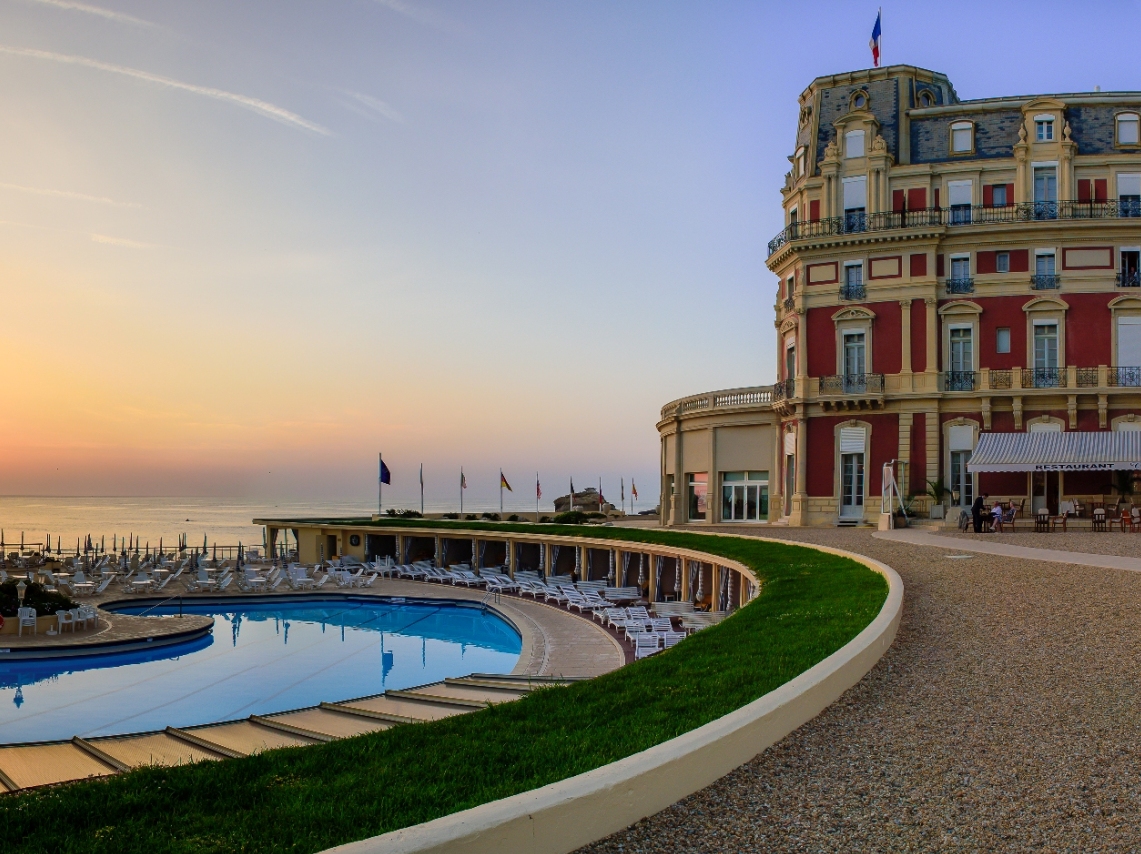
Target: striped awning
{"x":1057,"y":452}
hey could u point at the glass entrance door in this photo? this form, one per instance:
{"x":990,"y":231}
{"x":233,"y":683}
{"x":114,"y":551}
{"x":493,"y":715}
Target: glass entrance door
{"x":962,"y":482}
{"x":851,"y":484}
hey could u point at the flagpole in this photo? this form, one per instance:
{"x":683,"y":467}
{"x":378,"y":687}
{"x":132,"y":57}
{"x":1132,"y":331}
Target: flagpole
{"x":536,"y":496}
{"x":380,"y":485}
{"x":501,"y":492}
{"x":461,"y":490}
{"x":421,"y":489}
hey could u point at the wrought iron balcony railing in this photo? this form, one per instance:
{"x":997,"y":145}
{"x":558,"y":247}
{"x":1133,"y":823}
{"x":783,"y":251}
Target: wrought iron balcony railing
{"x":961,"y":286}
{"x":1129,"y":377}
{"x":958,"y":216}
{"x":959,"y":381}
{"x":784,"y":390}
{"x":1045,"y":282}
{"x":1043,"y":377}
{"x":1086,"y":377}
{"x":852,"y":291}
{"x":852,"y":384}
{"x":1129,"y":280}
{"x":1001,"y":378}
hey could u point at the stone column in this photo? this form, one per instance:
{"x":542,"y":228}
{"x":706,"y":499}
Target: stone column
{"x":511,"y":557}
{"x":933,"y":444}
{"x":932,"y":337}
{"x":800,"y":497}
{"x":676,"y":515}
{"x":906,"y":420}
{"x":802,"y":352}
{"x":439,"y":550}
{"x":712,"y":498}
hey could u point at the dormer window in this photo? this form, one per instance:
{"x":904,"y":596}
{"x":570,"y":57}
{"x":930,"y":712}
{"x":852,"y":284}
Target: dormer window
{"x":800,"y":162}
{"x":962,"y":137}
{"x":854,"y":143}
{"x":1128,"y":129}
{"x":926,"y":99}
{"x":1043,"y":128}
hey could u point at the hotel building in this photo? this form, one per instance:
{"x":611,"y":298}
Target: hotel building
{"x":948,"y":269}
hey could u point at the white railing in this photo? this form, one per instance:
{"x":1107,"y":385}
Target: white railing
{"x":890,"y":496}
{"x":755,"y":396}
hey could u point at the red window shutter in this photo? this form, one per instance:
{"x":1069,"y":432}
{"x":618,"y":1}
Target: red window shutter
{"x":897,"y":201}
{"x":988,"y":196}
{"x":917,"y":199}
{"x":814,"y":210}
{"x":1009,"y":194}
{"x":1020,"y":260}
{"x":985,"y":262}
{"x":918,"y":265}
{"x":1084,"y":188}
{"x":939,"y":262}
{"x":936,"y":205}
{"x":1100,"y":190}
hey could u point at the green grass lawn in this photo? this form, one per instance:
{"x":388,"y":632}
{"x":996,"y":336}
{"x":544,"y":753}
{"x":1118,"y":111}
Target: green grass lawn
{"x":307,"y":799}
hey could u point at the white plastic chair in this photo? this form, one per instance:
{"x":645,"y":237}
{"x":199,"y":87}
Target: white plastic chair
{"x":25,"y":617}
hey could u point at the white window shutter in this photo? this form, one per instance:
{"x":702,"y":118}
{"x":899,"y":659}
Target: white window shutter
{"x":852,"y":440}
{"x":961,"y":437}
{"x":790,"y":444}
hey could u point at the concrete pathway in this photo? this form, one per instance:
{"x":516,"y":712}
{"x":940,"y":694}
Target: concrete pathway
{"x":955,"y":544}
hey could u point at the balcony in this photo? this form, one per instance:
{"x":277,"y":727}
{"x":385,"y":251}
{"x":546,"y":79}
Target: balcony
{"x":1129,"y":377}
{"x":958,"y":381}
{"x":1001,"y":379}
{"x":961,"y":286}
{"x":852,"y":384}
{"x":853,"y":291}
{"x":959,"y":216}
{"x":699,"y":404}
{"x":1128,"y":280}
{"x":1045,"y":282}
{"x":789,"y":304}
{"x":784,"y":390}
{"x":1043,"y":377}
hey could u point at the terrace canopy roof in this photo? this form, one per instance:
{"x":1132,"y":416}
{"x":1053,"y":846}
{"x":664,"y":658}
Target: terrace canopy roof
{"x":1057,"y":451}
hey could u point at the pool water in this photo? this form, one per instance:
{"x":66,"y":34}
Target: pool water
{"x":261,"y":658}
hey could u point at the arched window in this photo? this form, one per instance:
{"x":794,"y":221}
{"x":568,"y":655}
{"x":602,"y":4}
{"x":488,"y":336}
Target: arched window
{"x":962,"y":137}
{"x":926,"y":98}
{"x":1128,"y":129}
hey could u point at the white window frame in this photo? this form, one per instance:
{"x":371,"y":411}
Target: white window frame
{"x":849,"y":138}
{"x":1042,"y":122}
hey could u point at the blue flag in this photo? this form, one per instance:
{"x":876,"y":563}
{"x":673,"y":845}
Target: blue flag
{"x":385,"y":474}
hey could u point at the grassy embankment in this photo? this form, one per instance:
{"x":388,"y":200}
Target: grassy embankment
{"x":307,"y":799}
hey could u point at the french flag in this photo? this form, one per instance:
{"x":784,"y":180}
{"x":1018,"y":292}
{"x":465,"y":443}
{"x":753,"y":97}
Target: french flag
{"x":874,"y":44}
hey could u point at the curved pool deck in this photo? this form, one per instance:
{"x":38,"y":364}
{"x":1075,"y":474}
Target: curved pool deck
{"x":556,"y":646}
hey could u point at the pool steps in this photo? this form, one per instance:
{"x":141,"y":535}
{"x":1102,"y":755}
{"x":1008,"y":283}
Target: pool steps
{"x":27,"y":766}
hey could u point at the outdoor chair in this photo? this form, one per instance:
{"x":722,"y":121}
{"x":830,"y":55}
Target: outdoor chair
{"x":1098,"y":523}
{"x":25,"y":617}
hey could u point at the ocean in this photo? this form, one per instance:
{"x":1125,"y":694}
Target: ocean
{"x":225,"y":521}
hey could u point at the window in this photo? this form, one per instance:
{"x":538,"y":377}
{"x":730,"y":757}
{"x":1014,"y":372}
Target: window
{"x":1129,"y":346}
{"x":855,"y":203}
{"x":1002,"y":262}
{"x":959,"y":282}
{"x":1002,"y":340}
{"x":1130,"y":274}
{"x":959,"y":196}
{"x":698,"y":488}
{"x":926,"y":99}
{"x":790,"y":359}
{"x":800,"y":163}
{"x":962,"y":351}
{"x":1045,"y":192}
{"x":859,"y":101}
{"x":853,"y":287}
{"x":1129,"y":194}
{"x":962,"y":481}
{"x":855,"y":364}
{"x":962,"y":137}
{"x":745,"y":496}
{"x":1045,"y":277}
{"x":1128,"y":129}
{"x":790,"y":286}
{"x":1046,"y":346}
{"x":854,"y":143}
{"x":1043,"y":128}
{"x":998,"y":196}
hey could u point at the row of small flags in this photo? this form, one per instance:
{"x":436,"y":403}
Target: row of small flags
{"x":385,"y":479}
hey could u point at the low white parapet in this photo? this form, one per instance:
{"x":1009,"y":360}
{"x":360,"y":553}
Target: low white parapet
{"x":566,"y":815}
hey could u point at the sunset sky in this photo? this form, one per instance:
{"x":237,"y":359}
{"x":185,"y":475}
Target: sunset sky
{"x":246,"y":245}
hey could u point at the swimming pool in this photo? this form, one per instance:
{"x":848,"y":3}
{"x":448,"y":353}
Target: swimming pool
{"x":261,"y":658}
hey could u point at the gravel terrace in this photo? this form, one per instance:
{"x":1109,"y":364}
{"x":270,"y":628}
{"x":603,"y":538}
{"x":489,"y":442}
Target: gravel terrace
{"x":1101,"y":543}
{"x":1004,"y":717}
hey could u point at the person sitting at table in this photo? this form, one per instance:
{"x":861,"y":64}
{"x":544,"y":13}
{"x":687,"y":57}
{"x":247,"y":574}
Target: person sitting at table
{"x":996,"y":518}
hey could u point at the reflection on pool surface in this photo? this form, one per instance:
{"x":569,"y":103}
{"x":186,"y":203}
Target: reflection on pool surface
{"x":262,"y":658}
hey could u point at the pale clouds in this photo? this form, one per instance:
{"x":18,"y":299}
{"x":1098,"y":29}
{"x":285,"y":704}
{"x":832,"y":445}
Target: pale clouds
{"x":121,"y":241}
{"x":65,"y":194}
{"x":370,"y":107}
{"x":97,"y":11}
{"x":264,"y":108}
{"x":419,"y":13}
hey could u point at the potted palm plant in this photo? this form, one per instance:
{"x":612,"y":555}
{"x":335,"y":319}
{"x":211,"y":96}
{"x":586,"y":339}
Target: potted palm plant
{"x":938,"y":492}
